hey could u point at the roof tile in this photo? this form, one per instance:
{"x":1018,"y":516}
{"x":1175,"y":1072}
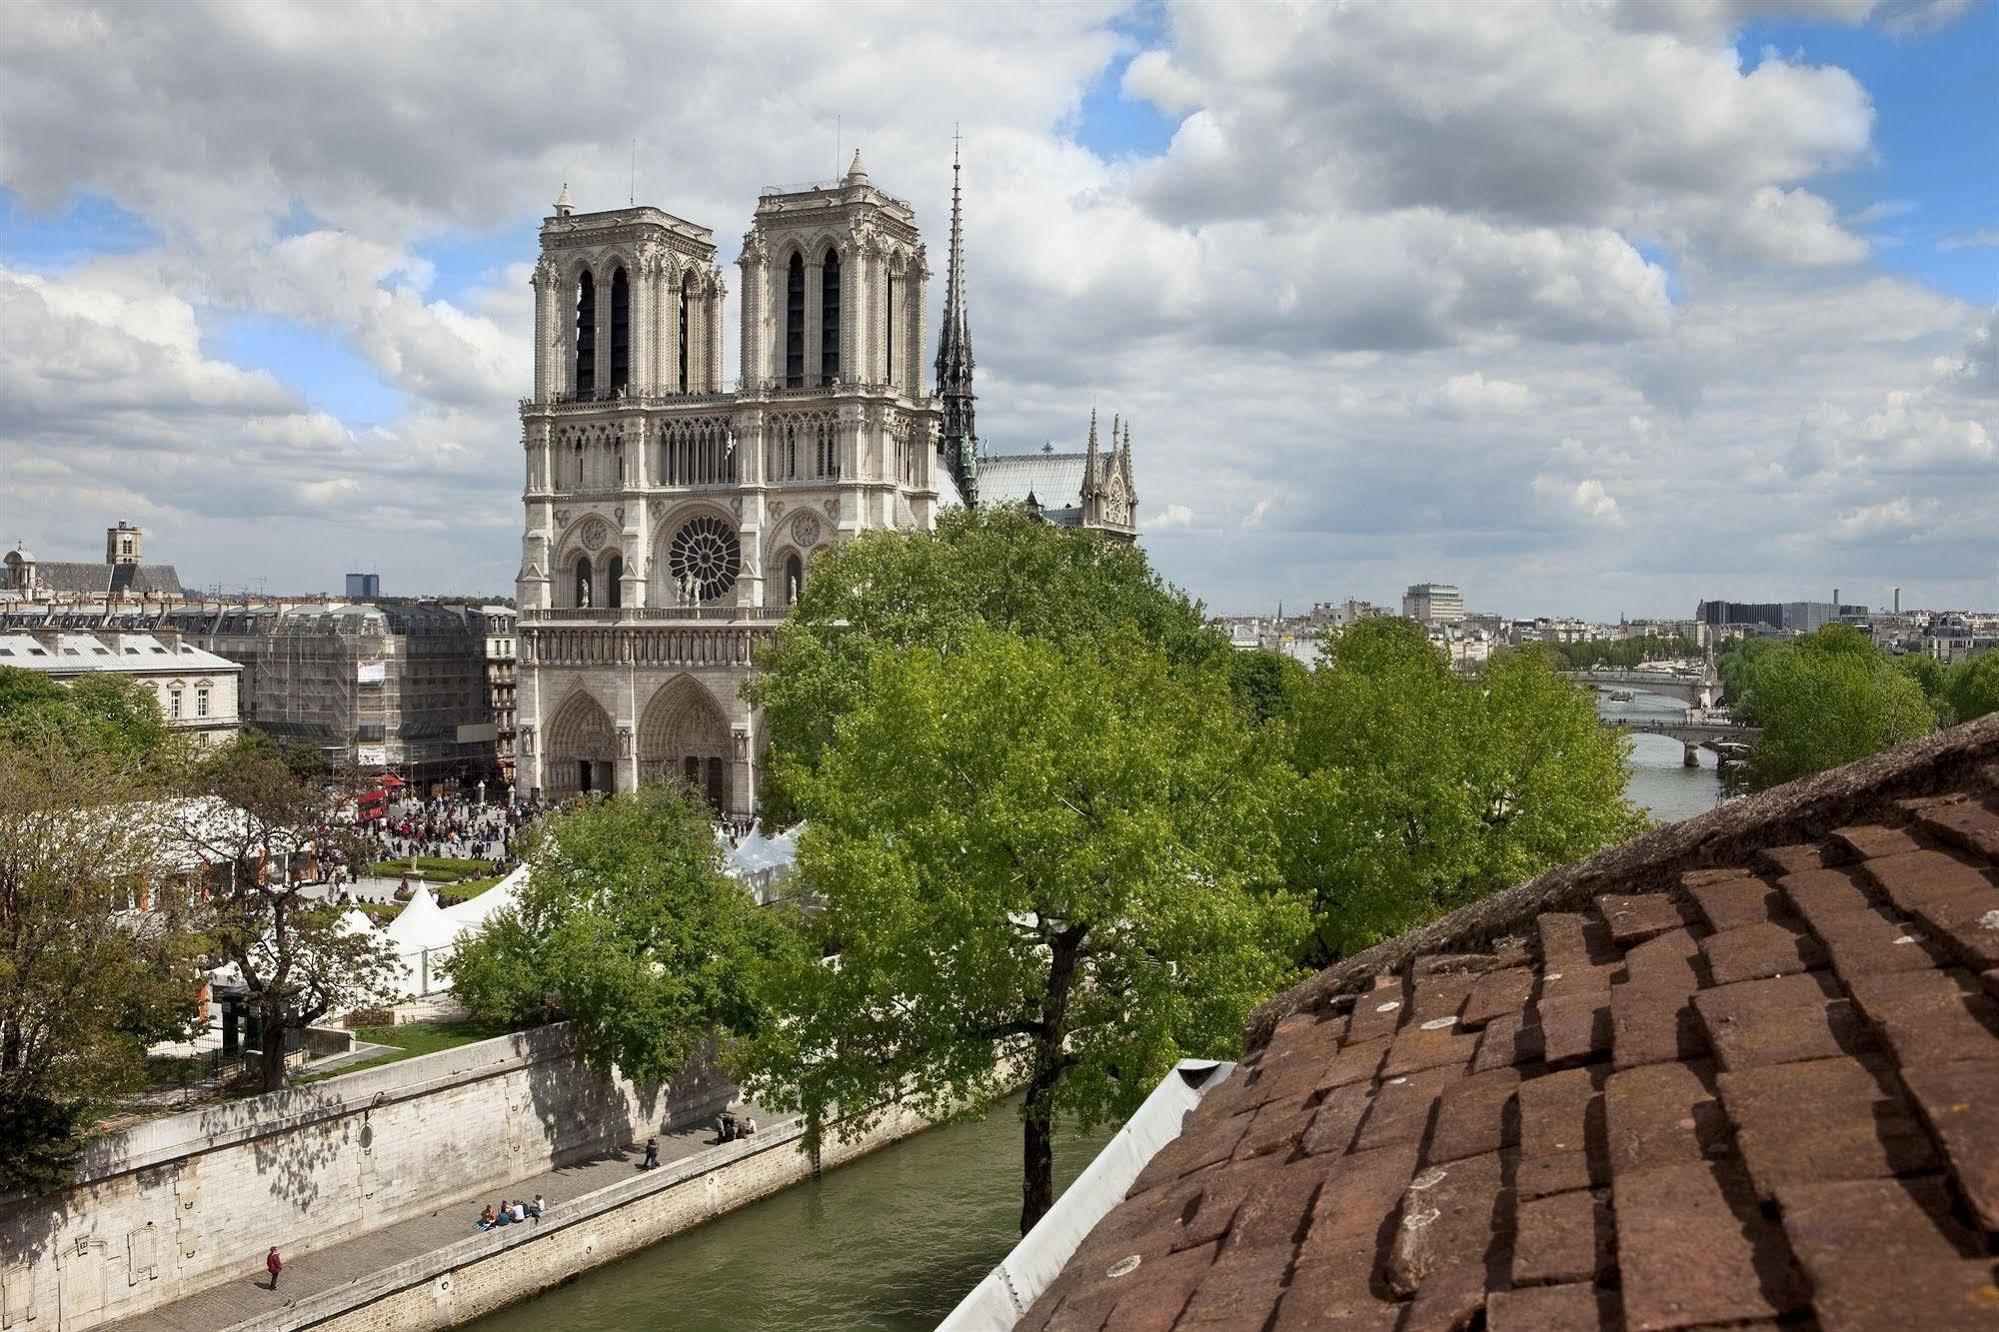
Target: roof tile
{"x":1635,"y":918}
{"x":1693,"y":1248}
{"x":1818,"y":892}
{"x":1574,"y":939}
{"x":1448,"y":1218}
{"x":1930,"y":1016}
{"x":1205,"y":1141}
{"x":1497,"y":992}
{"x":1565,"y":1237}
{"x":1970,"y":826}
{"x":1357,"y":1061}
{"x":1967,"y":925}
{"x":1861,"y":943}
{"x":1655,"y":1022}
{"x":1562,"y":1144}
{"x":1918,"y":876}
{"x":1378,"y":1012}
{"x":1756,"y":952}
{"x":1402,"y":1108}
{"x":1235,"y":1292}
{"x":1157,"y":1291}
{"x":1439,"y":995}
{"x":1823,"y":1119}
{"x":1337,"y":1259}
{"x":1338,"y":1116}
{"x":1575,"y":1028}
{"x":1960,"y":1102}
{"x":1661,"y":1115}
{"x":1780,"y":1020}
{"x":1434,"y":1043}
{"x":1508,"y":1041}
{"x":1739,"y":901}
{"x":1475,"y":1116}
{"x":1574,"y":1308}
{"x":1876,"y":1250}
{"x":1797,"y":858}
{"x":1671,"y":959}
{"x":1866,"y":841}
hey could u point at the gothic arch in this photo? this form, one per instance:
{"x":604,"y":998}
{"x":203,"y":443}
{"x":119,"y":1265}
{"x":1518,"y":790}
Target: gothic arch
{"x":684,"y":736}
{"x":579,"y":747}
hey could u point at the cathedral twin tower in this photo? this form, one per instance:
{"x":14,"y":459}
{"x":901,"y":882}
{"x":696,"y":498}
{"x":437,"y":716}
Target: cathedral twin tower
{"x":670,"y":519}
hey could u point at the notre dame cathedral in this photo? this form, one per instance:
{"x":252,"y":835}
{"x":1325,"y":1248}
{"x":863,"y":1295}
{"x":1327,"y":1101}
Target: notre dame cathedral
{"x":672,"y":520}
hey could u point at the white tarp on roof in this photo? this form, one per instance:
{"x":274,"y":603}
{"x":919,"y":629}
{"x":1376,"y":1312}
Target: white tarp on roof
{"x":764,"y":863}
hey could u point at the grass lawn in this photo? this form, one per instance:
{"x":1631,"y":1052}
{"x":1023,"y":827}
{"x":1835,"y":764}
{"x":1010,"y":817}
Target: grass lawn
{"x":436,"y":869}
{"x":420,"y":1038}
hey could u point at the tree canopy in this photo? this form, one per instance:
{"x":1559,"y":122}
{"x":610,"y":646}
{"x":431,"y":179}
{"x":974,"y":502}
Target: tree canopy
{"x":1421,"y":789}
{"x":1972,"y":689}
{"x":628,"y":926}
{"x":1825,"y":699}
{"x":1053,"y":852}
{"x":993,"y":569}
{"x":94,"y":963}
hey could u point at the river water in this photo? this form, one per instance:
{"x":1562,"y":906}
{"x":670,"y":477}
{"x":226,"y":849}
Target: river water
{"x":1660,"y":784}
{"x":892,"y":1241}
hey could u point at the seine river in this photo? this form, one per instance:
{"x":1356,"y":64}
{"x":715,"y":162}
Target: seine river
{"x":1659,"y":783}
{"x":894,"y":1240}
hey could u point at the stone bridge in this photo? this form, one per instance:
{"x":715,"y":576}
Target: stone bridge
{"x":1700,"y":691}
{"x":1727,"y":739}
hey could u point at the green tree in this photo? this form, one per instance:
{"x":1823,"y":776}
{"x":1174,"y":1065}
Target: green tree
{"x":106,"y":713}
{"x":1035,"y":860}
{"x":96,"y":960}
{"x":1827,"y":699}
{"x":1421,"y":789}
{"x":1263,"y":681}
{"x":1736,"y":663}
{"x":259,"y":825}
{"x":983,"y":568}
{"x":1972,"y":689}
{"x":628,"y":927}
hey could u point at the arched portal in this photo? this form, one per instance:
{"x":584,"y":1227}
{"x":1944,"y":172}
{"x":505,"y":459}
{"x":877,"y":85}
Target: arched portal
{"x":684,"y":736}
{"x":580,"y":749}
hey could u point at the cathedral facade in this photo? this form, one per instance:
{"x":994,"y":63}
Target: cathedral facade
{"x":671,"y":518}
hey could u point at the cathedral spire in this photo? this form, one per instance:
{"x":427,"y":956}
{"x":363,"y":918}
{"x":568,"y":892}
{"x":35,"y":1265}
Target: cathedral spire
{"x":954,"y":354}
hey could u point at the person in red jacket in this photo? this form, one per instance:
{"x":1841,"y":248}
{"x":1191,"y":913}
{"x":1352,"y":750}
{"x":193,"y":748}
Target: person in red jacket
{"x":274,"y":1265}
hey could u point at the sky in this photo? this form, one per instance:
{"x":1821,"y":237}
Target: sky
{"x":1598,"y":307}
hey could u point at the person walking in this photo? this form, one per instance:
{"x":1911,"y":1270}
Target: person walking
{"x":652,"y":1157}
{"x":274,"y":1265}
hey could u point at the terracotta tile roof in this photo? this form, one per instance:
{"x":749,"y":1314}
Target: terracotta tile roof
{"x":1744,"y":1071}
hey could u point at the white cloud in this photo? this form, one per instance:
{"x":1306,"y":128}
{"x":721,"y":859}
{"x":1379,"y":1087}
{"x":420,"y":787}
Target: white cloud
{"x":1465,"y":397}
{"x":1172,"y":517}
{"x":1253,"y":520}
{"x":1985,"y":238}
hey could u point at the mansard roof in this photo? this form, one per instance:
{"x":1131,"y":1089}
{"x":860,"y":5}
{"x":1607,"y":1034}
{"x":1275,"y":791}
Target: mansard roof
{"x":1742,"y":1070}
{"x":120,"y":580}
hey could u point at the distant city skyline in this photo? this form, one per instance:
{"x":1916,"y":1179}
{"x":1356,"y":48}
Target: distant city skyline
{"x":1384,"y":300}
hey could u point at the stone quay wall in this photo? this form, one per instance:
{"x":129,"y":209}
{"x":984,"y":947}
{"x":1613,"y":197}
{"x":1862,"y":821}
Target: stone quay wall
{"x":169,"y":1207}
{"x":489,"y":1271}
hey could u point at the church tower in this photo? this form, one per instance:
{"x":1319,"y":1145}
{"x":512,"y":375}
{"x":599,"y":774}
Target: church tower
{"x":671,"y":518}
{"x":959,"y":441}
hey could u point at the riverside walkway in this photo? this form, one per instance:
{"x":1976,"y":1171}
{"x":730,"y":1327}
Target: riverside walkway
{"x":246,"y":1297}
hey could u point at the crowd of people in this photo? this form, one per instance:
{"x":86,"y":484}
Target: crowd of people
{"x":455,"y":827}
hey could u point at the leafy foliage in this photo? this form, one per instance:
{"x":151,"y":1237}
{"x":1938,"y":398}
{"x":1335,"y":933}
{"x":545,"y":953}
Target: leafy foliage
{"x":94,"y":963}
{"x":1421,"y":790}
{"x":255,"y":816}
{"x":1045,"y":850}
{"x":980,"y":569}
{"x":103,"y":713}
{"x":1826,"y":699}
{"x":1973,"y":687}
{"x":627,"y":926}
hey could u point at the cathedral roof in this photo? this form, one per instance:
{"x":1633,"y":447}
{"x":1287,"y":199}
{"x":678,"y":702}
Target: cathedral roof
{"x":1054,"y":479}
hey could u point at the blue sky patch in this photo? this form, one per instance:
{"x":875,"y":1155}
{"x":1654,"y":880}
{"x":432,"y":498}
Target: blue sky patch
{"x":1936,"y":140}
{"x":88,"y":226}
{"x":311,"y":361}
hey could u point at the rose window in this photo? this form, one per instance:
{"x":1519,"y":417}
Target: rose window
{"x":704,"y":558}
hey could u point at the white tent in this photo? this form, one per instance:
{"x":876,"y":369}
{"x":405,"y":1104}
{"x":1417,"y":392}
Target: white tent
{"x":764,"y":863}
{"x":421,"y":924}
{"x":473,"y":915}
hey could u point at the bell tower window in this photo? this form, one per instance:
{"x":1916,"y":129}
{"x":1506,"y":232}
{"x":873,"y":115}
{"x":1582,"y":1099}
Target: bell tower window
{"x":829,"y":319}
{"x":586,"y":335}
{"x":794,"y":322}
{"x":621,"y":330}
{"x":888,"y":334}
{"x":683,"y":337}
{"x":614,"y":577}
{"x":583,"y":588}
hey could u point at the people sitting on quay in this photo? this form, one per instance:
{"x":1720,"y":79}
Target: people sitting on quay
{"x":537,"y":1207}
{"x":518,"y":1212}
{"x":728,"y":1128}
{"x":488,"y":1219}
